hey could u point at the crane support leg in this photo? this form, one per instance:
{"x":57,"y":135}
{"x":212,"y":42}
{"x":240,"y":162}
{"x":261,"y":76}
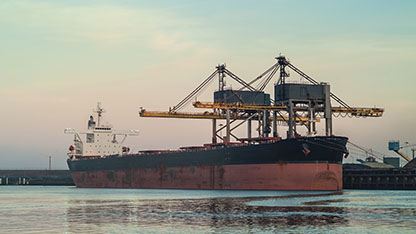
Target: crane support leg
{"x":228,"y":131}
{"x":314,"y":122}
{"x":214,"y":131}
{"x":310,"y":118}
{"x":291,"y":120}
{"x":328,"y":112}
{"x":275,"y":124}
{"x":249,"y":128}
{"x":264,"y":134}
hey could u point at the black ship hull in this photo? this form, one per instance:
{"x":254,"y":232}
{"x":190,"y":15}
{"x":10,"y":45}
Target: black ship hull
{"x":308,"y":163}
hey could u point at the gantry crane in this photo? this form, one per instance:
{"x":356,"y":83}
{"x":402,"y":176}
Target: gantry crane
{"x":294,"y":104}
{"x":395,"y":146}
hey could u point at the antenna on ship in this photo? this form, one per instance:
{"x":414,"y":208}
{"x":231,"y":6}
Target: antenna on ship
{"x":99,"y":111}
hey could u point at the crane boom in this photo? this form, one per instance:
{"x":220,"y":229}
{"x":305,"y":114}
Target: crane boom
{"x":355,"y":111}
{"x":403,"y":156}
{"x":184,"y":115}
{"x":204,"y":115}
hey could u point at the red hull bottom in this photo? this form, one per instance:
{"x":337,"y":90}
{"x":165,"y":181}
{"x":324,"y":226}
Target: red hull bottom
{"x":282,"y":176}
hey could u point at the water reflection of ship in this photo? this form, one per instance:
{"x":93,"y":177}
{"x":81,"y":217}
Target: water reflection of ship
{"x":204,"y":213}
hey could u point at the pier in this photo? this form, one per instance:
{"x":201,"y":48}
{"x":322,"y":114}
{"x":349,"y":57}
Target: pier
{"x":383,"y":178}
{"x":35,"y":177}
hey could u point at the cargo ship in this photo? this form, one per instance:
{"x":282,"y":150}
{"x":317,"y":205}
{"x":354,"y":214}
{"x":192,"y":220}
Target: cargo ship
{"x":263,"y":162}
{"x":302,"y":163}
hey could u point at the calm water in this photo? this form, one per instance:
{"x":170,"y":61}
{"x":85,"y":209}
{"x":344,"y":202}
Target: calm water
{"x":38,"y":209}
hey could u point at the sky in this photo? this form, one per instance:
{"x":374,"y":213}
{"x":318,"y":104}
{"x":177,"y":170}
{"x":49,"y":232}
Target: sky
{"x":59,"y":58}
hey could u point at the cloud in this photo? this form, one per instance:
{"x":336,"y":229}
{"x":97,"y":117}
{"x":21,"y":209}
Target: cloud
{"x":102,"y":25}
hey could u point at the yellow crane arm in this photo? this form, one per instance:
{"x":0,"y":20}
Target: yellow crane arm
{"x":203,"y":115}
{"x":237,"y":106}
{"x":355,"y":111}
{"x":360,"y":111}
{"x":183,"y":115}
{"x":403,"y":156}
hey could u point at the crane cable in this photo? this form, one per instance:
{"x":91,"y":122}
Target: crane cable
{"x":367,"y":151}
{"x":261,"y":75}
{"x":194,"y":92}
{"x":310,"y":79}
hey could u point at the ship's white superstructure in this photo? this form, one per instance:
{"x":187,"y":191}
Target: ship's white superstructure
{"x":100,"y":140}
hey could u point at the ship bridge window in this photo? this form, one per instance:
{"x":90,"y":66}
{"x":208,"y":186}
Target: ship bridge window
{"x":90,"y":138}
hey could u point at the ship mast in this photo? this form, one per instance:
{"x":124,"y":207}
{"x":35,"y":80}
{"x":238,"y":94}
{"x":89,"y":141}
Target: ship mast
{"x":99,"y":112}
